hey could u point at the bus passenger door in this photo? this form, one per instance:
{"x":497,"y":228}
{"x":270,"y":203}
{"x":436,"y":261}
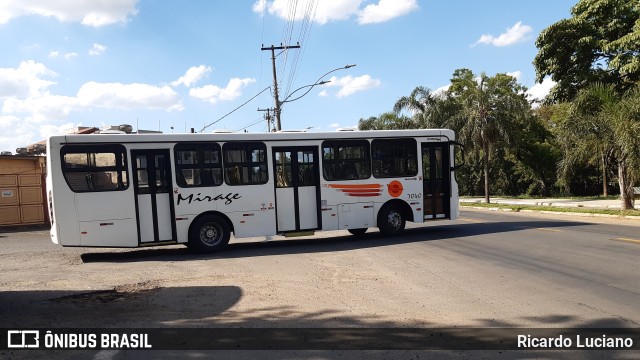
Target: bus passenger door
{"x":297,"y":187}
{"x":436,"y":181}
{"x":154,"y":202}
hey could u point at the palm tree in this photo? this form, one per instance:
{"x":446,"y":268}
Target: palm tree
{"x":489,"y":110}
{"x":428,"y":110}
{"x":603,"y":124}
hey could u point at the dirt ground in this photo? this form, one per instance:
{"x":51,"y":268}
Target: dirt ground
{"x":427,"y":277}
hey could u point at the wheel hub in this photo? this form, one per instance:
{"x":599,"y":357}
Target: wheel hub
{"x":395,"y":220}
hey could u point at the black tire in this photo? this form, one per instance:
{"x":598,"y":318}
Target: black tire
{"x":390,"y":220}
{"x":209,"y":233}
{"x":357,"y":232}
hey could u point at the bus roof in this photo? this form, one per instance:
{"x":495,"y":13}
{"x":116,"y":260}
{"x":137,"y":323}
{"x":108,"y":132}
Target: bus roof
{"x":277,"y":136}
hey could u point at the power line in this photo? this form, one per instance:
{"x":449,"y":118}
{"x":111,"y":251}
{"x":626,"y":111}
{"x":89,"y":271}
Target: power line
{"x":305,"y":30}
{"x":232,"y":111}
{"x":250,"y":125}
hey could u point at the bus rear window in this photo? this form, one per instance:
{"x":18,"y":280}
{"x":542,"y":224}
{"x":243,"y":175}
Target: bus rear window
{"x":394,"y":157}
{"x":89,"y":168}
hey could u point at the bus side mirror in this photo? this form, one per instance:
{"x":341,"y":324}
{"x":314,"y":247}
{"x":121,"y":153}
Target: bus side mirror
{"x":457,"y":144}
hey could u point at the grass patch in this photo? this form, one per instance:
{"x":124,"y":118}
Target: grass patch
{"x":559,"y":209}
{"x":530,"y":197}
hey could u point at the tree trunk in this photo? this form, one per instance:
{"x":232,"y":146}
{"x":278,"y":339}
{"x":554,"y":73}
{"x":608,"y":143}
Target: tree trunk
{"x":626,"y":189}
{"x":544,"y":188}
{"x":485,"y":148}
{"x":605,"y":193}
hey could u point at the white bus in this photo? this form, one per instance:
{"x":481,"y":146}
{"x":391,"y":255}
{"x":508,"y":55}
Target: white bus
{"x":128,"y":190}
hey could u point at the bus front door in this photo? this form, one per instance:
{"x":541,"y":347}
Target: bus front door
{"x":297,"y":187}
{"x":153,"y":196}
{"x":435,"y":181}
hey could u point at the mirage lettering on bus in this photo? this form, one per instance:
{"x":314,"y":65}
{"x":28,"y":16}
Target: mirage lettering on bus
{"x":228,"y":199}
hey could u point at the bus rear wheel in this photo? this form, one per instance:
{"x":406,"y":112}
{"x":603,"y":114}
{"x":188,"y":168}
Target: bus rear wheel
{"x":390,"y":220}
{"x":210,"y":233}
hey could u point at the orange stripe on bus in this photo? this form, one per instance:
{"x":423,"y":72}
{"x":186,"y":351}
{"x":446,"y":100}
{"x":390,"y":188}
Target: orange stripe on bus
{"x":358,"y":190}
{"x":356,"y":186}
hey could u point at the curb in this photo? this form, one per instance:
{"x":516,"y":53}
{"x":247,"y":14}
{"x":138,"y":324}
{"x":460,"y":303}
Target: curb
{"x":556,"y":212}
{"x":544,"y":203}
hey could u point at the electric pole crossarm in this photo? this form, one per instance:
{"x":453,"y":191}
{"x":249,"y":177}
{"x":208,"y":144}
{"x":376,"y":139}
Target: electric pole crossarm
{"x":275,"y":77}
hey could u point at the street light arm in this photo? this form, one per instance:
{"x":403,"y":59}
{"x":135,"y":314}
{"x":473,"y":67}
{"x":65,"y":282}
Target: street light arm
{"x":342,"y":68}
{"x":305,"y":93}
{"x":317,"y":82}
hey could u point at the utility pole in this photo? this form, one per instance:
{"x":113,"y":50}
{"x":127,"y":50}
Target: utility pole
{"x":275,"y":77}
{"x":267,"y":116}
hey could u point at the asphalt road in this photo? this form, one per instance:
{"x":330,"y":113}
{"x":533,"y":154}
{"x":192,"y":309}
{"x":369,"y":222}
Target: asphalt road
{"x":487,"y":269}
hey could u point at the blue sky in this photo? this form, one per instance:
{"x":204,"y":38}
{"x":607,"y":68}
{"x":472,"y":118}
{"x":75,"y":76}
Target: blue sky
{"x":157,"y":64}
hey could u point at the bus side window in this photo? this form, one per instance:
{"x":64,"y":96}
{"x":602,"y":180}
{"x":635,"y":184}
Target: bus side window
{"x":346,"y":160}
{"x":198,"y":165}
{"x":245,"y":163}
{"x":89,"y":168}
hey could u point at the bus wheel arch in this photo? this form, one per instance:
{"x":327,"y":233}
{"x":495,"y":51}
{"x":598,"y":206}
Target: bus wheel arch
{"x":209,"y":232}
{"x":358,"y":231}
{"x":393,"y":216}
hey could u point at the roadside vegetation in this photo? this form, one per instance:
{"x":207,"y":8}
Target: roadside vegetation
{"x":582,"y":140}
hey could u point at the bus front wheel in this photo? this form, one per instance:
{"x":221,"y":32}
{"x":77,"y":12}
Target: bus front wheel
{"x":390,"y":220}
{"x":209,"y":234}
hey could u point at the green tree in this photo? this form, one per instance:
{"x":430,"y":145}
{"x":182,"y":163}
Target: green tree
{"x":598,"y":43}
{"x":604,"y":125}
{"x":490,"y":109}
{"x":387,"y":121}
{"x":536,"y":156}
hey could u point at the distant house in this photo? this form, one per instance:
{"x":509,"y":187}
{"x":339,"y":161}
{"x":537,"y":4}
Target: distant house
{"x":22,"y":190}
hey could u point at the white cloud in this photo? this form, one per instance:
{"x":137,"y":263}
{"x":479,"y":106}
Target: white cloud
{"x":192,"y":76}
{"x":18,"y":132}
{"x":323,"y":93}
{"x":334,"y":125}
{"x":15,"y":133}
{"x":386,"y":10}
{"x":441,"y":90}
{"x":88,"y":12}
{"x":52,"y":129}
{"x":25,"y":91}
{"x":259,"y":7}
{"x":42,"y":108}
{"x":97,"y":49}
{"x":350,"y":85}
{"x":515,"y":34}
{"x":25,"y":80}
{"x":516,"y":74}
{"x":129,"y":96}
{"x":67,"y":56}
{"x":539,"y":91}
{"x":213,"y":94}
{"x":336,"y":10}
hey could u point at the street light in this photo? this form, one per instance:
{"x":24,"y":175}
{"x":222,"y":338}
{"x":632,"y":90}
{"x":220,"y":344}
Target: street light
{"x":317,"y":82}
{"x":286,"y":100}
